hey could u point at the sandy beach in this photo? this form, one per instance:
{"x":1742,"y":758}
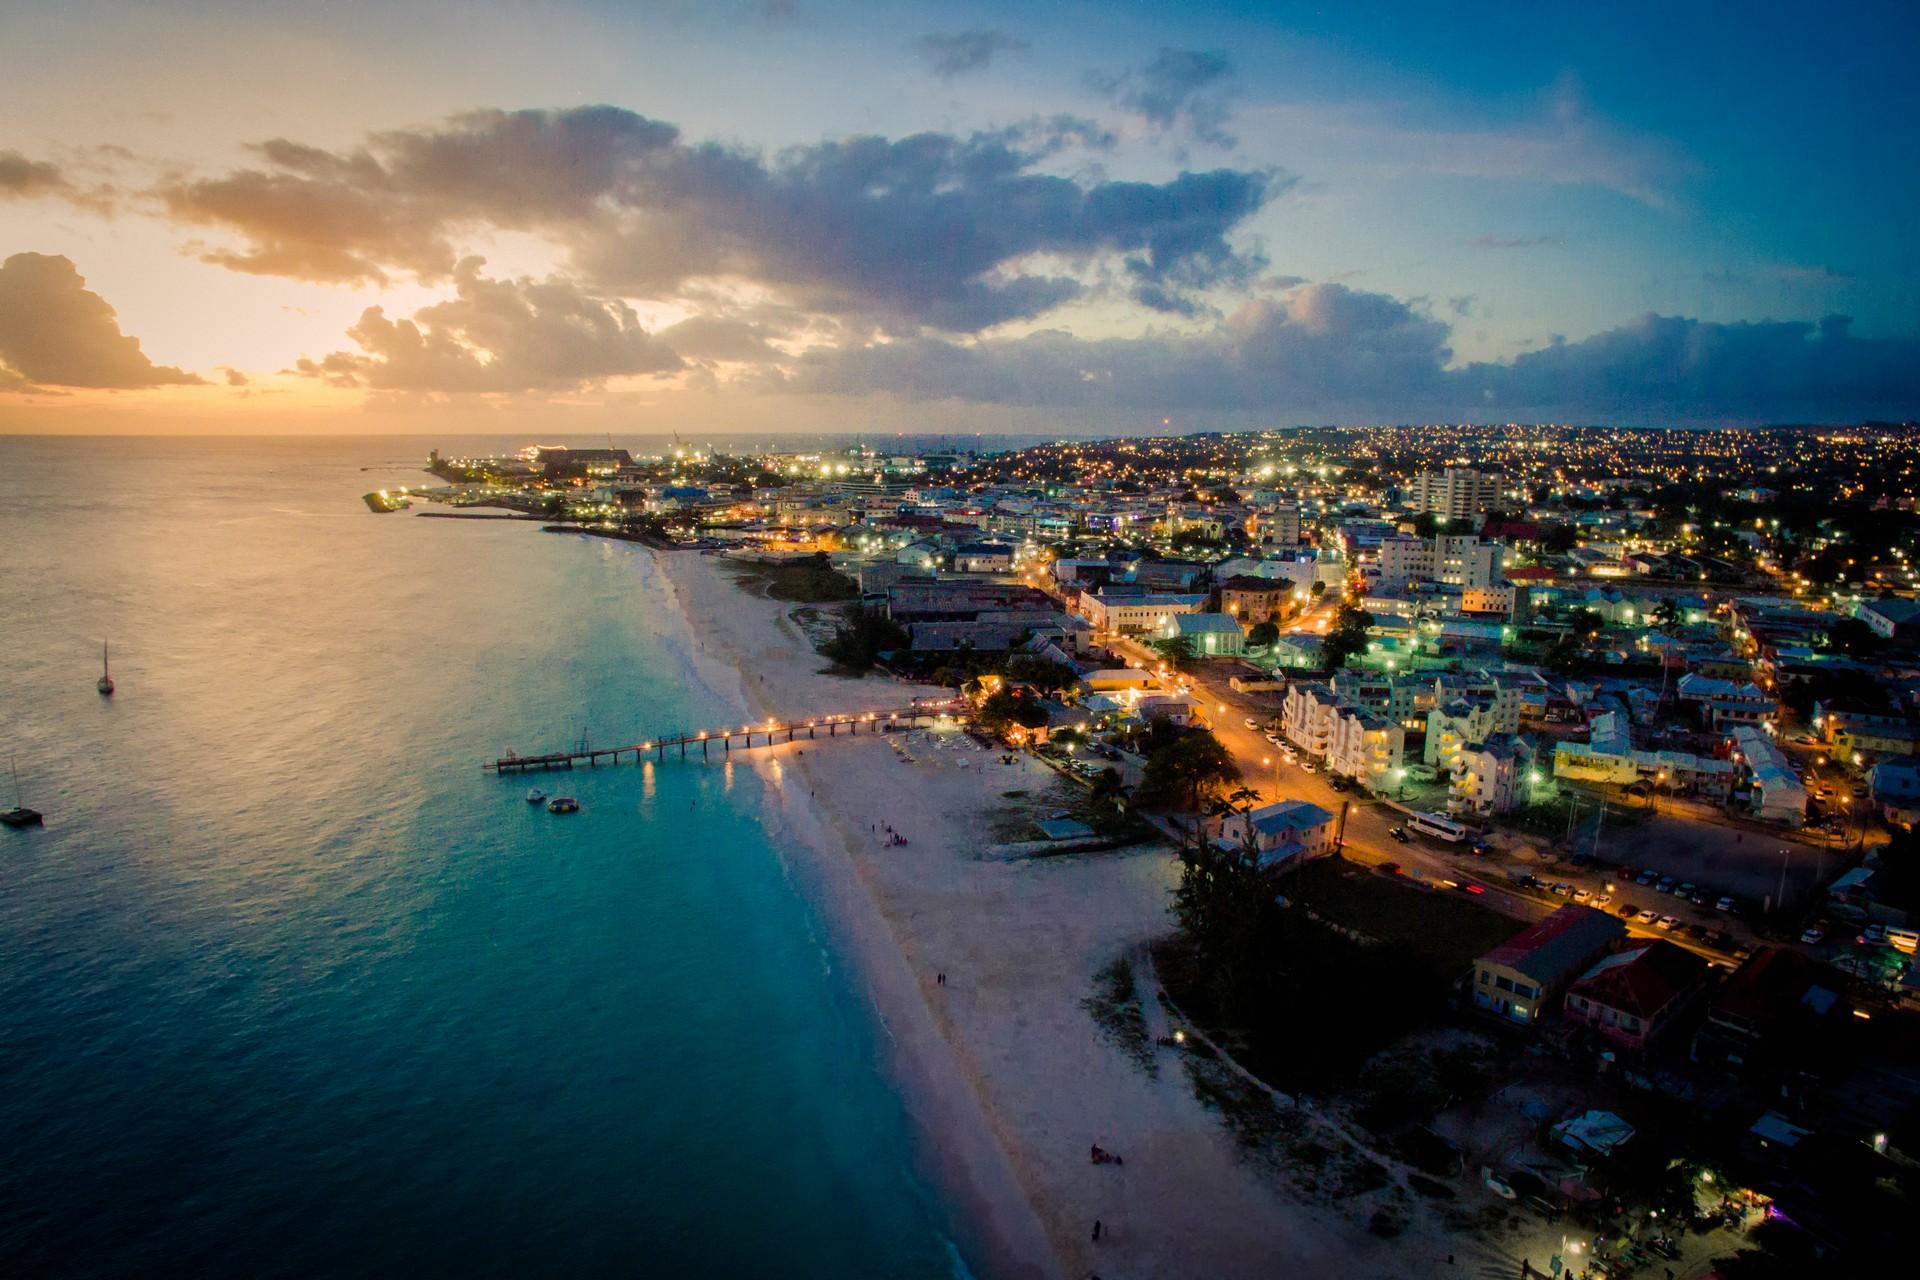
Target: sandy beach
{"x":1007,"y":1074}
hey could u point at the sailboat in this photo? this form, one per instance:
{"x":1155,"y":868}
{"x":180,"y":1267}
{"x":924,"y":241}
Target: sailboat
{"x":19,"y":815}
{"x":105,"y":684}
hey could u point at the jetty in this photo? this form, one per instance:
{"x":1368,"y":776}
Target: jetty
{"x":767,"y":733}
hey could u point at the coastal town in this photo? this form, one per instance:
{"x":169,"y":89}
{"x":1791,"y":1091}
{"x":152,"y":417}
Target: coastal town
{"x":1530,"y":807}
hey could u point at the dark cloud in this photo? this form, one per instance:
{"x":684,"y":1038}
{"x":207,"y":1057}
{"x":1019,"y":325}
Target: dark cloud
{"x":1493,"y":242}
{"x":1180,"y":88}
{"x":928,"y":230}
{"x":957,"y":53}
{"x":24,"y":179}
{"x":55,"y":332}
{"x":1331,"y":353}
{"x":495,"y":336}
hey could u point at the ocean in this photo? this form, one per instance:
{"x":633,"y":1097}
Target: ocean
{"x":289,"y":986}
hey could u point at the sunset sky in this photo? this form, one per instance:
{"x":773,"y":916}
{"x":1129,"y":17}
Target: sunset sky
{"x":730,"y":215}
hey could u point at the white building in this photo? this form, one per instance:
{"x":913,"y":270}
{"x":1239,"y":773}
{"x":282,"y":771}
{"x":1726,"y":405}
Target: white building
{"x":1776,"y":792}
{"x":1281,"y":832}
{"x":1506,"y":693}
{"x":1725,"y":701}
{"x":1466,"y":561}
{"x":1452,"y":726}
{"x":1490,"y":777}
{"x":1306,"y":718}
{"x":1368,"y":748}
{"x":1457,"y":493}
{"x":1135,"y":614}
{"x":1212,"y":635}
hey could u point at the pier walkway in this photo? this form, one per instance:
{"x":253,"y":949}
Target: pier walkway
{"x":771,"y":733}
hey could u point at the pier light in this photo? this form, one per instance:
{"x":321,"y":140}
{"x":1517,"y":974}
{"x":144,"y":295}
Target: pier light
{"x":703,"y":733}
{"x":646,"y":746}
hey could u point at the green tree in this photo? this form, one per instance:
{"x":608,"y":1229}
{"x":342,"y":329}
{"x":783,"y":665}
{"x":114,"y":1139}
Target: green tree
{"x":1043,"y":674}
{"x":863,"y":635}
{"x":1346,"y":637}
{"x":1176,"y":651}
{"x":1852,"y":637}
{"x":1187,"y":771}
{"x":1263,"y":635}
{"x":1586,"y":623}
{"x":1666,"y":615}
{"x":1317,"y":590}
{"x":1426,"y":525}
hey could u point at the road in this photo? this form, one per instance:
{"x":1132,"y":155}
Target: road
{"x":1365,"y":839}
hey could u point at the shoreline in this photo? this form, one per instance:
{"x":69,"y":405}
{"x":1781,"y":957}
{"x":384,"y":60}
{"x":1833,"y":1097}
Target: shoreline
{"x":981,"y":972}
{"x":996,"y":1226}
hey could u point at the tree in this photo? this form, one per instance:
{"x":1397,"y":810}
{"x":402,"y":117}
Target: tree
{"x":1263,"y":634}
{"x":1177,"y":651}
{"x":1586,"y":623}
{"x":1187,"y":771}
{"x":1852,"y":637}
{"x":1666,"y":616}
{"x":1004,"y":707}
{"x":1317,"y":590}
{"x":1426,"y":525}
{"x":1558,"y":538}
{"x":1044,"y":674}
{"x":864,"y":634}
{"x":1346,"y":637}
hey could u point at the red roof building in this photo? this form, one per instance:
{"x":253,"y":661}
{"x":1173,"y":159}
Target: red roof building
{"x":1632,"y":997}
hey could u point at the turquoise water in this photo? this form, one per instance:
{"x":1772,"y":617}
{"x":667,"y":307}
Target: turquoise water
{"x":289,"y":986}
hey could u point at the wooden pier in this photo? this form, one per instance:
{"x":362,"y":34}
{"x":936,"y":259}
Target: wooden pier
{"x":766,"y":734}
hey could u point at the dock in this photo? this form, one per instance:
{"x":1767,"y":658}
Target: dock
{"x":768,"y":733}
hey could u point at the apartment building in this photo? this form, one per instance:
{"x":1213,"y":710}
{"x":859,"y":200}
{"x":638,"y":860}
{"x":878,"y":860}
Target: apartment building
{"x":1456,"y":493}
{"x":1368,"y":748}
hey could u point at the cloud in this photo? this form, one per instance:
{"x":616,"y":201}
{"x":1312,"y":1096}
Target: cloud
{"x":1179,"y":88}
{"x":55,"y":332}
{"x":1528,"y":242}
{"x":1327,"y":352}
{"x":497,"y":336}
{"x":721,"y":338}
{"x":958,"y":53}
{"x":24,"y":179}
{"x":928,"y":230}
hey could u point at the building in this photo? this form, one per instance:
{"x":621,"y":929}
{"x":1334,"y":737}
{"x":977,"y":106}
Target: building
{"x":1278,"y":526}
{"x":1491,"y":776}
{"x":1368,"y":748}
{"x":1212,"y":635}
{"x":1135,"y":613}
{"x":1463,"y":560}
{"x":1281,"y":832}
{"x":1506,"y":692}
{"x":983,"y":557}
{"x":1456,"y":493}
{"x":1896,"y":619}
{"x":1634,"y":996}
{"x":1254,"y":600}
{"x":1306,"y":717}
{"x":1777,"y":1001}
{"x":1522,"y":978}
{"x":1726,"y":702}
{"x":1453,"y":726}
{"x":1774,"y":789}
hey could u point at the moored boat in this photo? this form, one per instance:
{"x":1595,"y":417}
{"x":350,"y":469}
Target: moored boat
{"x":563,"y":804}
{"x":536,"y":796}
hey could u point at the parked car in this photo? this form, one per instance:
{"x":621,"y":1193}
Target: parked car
{"x":1686,"y":890}
{"x":1601,"y":900}
{"x":1273,"y":739}
{"x":1389,"y":868}
{"x":1814,"y":935}
{"x":1561,"y":890}
{"x":1647,"y":917}
{"x":1306,"y":766}
{"x":1873,"y":933}
{"x":1666,"y":922}
{"x":1725,"y":904}
{"x":1251,"y":723}
{"x":1583,"y":896}
{"x":1665,"y":885}
{"x":1699,"y":899}
{"x":1647,"y":877}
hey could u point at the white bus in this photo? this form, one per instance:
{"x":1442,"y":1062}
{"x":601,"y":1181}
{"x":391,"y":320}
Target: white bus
{"x":1440,"y":828}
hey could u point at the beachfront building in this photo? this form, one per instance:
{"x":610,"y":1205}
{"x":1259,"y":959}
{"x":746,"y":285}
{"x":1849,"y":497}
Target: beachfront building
{"x":1521,"y":979}
{"x":1281,"y":833}
{"x":1368,"y":748}
{"x":1633,"y":996}
{"x":1212,"y":635}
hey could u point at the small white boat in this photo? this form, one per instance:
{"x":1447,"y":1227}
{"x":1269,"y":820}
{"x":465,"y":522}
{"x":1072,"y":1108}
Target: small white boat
{"x":536,"y":796}
{"x":105,"y":683}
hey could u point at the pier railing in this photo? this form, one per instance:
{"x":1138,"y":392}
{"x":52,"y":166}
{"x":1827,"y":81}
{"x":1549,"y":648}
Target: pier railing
{"x":768,"y":733}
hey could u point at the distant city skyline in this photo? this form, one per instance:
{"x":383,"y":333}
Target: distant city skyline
{"x":846,"y":217}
